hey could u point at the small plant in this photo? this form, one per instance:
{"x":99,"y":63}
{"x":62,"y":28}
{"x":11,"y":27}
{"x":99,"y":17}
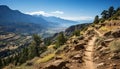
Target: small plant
{"x":99,"y":41}
{"x":104,"y":29}
{"x":115,"y":46}
{"x":76,"y":33}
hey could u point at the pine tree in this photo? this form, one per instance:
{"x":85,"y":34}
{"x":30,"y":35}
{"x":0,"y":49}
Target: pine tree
{"x":38,"y":41}
{"x":60,"y":40}
{"x":111,"y":11}
{"x":96,"y":20}
{"x":32,"y":51}
{"x":118,"y":9}
{"x":47,"y":41}
{"x":104,"y":14}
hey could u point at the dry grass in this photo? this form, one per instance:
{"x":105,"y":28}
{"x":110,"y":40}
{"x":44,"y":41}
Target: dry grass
{"x":104,"y":29}
{"x":115,"y":46}
{"x":50,"y":46}
{"x":46,"y":58}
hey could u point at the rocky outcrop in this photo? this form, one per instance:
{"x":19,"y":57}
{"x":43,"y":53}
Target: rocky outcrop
{"x":116,"y":33}
{"x":58,"y":64}
{"x":79,"y":47}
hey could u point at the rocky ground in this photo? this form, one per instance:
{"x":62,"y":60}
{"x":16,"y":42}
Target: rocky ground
{"x":95,"y":49}
{"x":88,"y":52}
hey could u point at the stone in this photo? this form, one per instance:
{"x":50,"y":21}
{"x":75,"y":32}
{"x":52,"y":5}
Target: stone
{"x":51,"y":67}
{"x":29,"y":64}
{"x":79,"y":47}
{"x":58,"y":64}
{"x":99,"y":47}
{"x":107,"y":34}
{"x":78,"y":56}
{"x":109,"y":40}
{"x":100,"y":64}
{"x":116,"y":33}
{"x":58,"y":57}
{"x":80,"y":38}
{"x":96,"y":58}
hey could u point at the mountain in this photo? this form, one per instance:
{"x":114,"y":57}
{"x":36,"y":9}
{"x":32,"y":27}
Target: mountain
{"x":69,"y":31}
{"x":15,"y":21}
{"x":95,"y":46}
{"x":8,"y":15}
{"x":60,"y":21}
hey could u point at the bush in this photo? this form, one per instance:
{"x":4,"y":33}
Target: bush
{"x":115,"y":46}
{"x":99,"y":41}
{"x":60,"y":40}
{"x":76,"y":33}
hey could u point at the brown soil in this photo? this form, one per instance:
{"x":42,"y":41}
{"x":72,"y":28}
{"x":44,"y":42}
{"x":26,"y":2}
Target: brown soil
{"x":89,"y":64}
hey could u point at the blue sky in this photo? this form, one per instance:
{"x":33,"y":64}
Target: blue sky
{"x":68,"y":9}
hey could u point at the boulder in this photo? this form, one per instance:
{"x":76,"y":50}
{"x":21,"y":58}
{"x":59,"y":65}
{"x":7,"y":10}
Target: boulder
{"x":79,"y":47}
{"x":51,"y":67}
{"x":108,"y":40}
{"x":116,"y":33}
{"x":100,"y":64}
{"x":107,"y":34}
{"x":76,"y":57}
{"x":58,"y":64}
{"x":75,"y":41}
{"x":80,"y":38}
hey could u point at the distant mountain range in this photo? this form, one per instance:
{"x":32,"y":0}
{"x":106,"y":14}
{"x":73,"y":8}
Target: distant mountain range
{"x":58,"y":20}
{"x":15,"y":21}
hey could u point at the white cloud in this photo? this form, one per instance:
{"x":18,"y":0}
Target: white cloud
{"x":39,"y":13}
{"x":58,"y":12}
{"x":55,"y":13}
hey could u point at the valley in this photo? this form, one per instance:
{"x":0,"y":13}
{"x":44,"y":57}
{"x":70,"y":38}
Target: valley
{"x":42,"y":36}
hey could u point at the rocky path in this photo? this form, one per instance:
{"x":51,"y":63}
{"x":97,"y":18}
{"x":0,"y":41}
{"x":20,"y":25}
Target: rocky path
{"x":89,"y":64}
{"x":100,"y":34}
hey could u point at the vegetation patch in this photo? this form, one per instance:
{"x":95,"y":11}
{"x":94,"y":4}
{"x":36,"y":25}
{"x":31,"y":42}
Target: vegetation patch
{"x":104,"y":29}
{"x":99,"y":41}
{"x":46,"y":58}
{"x":115,"y":46}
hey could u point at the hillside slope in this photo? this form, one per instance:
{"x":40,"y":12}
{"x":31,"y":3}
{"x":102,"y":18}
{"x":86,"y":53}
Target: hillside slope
{"x":97,"y":47}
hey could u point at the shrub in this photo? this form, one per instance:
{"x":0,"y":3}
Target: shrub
{"x":115,"y":46}
{"x":60,"y":40}
{"x":99,"y":41}
{"x":76,"y":33}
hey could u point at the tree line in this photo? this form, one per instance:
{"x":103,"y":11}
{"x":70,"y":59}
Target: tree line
{"x":106,"y":14}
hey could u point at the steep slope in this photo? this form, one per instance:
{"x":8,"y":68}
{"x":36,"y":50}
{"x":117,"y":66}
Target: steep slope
{"x":98,"y":47}
{"x":69,"y":31}
{"x":8,"y":15}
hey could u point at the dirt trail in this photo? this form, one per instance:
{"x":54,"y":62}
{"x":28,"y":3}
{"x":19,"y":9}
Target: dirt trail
{"x":98,"y":32}
{"x":89,"y":64}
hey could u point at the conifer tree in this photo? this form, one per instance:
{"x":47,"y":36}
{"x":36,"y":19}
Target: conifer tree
{"x":96,"y":20}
